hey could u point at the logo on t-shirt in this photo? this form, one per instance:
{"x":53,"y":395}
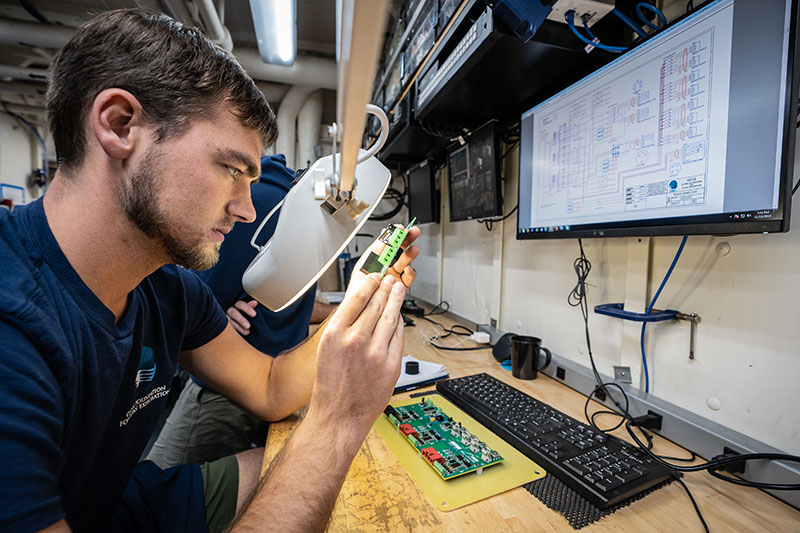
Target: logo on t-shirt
{"x":147,"y":366}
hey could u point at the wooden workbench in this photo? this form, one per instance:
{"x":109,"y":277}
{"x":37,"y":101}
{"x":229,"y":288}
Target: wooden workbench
{"x":379,"y":495}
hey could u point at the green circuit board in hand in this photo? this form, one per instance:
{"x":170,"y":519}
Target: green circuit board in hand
{"x":441,"y":441}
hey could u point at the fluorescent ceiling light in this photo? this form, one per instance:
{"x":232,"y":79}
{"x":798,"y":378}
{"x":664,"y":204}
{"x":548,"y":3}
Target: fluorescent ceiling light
{"x":275,"y":22}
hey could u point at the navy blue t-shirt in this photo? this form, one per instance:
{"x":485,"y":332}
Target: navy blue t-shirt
{"x":80,"y":394}
{"x":270,"y":332}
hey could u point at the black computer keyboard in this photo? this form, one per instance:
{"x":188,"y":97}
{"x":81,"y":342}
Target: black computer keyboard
{"x":602,"y":468}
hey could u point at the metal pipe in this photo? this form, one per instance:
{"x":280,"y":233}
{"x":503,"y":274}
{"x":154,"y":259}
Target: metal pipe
{"x":287,"y":121}
{"x":33,"y":34}
{"x":18,"y":87}
{"x":22,"y":73}
{"x":36,"y":112}
{"x":306,"y":70}
{"x":217,"y":32}
{"x":309,"y":122}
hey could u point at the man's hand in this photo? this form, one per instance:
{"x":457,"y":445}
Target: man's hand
{"x":358,"y":359}
{"x":236,"y":315}
{"x":357,"y":365}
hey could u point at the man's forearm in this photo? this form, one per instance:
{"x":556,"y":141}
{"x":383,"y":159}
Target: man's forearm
{"x":299,"y":490}
{"x":291,"y":377}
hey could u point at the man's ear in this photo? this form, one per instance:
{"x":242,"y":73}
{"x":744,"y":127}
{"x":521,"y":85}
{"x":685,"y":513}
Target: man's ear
{"x":117,"y":120}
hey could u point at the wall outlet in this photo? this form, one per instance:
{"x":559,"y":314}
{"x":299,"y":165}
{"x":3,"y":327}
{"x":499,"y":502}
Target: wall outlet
{"x":594,"y":9}
{"x":494,"y":333}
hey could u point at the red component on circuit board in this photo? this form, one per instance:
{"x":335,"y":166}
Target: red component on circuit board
{"x":406,"y":429}
{"x":432,"y":455}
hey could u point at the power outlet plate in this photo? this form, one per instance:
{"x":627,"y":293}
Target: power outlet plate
{"x":596,"y":9}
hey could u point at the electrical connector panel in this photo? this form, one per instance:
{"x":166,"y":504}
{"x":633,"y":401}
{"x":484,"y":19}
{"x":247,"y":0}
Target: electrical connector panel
{"x":393,"y":237}
{"x":593,"y":9}
{"x":442,"y":442}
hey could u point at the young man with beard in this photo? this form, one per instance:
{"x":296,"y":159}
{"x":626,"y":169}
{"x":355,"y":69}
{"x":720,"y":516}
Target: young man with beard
{"x":158,"y":135}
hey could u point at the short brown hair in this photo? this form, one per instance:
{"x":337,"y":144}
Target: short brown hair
{"x":174,"y":71}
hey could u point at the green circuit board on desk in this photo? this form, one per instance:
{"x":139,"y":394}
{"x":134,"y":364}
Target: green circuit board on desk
{"x":441,"y":441}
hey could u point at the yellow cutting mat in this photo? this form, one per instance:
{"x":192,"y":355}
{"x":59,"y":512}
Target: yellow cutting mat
{"x":514,"y":471}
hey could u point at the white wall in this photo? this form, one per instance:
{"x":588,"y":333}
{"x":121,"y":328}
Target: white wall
{"x":19,"y":155}
{"x":747,"y":355}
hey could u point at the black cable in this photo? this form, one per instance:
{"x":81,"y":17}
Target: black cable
{"x":32,"y":11}
{"x":450,"y":331}
{"x":796,"y":185}
{"x":395,"y":196}
{"x":694,"y":503}
{"x":439,"y":309}
{"x":578,"y":298}
{"x":715,"y":465}
{"x":462,"y":349}
{"x":511,"y":147}
{"x":489,"y":222}
{"x":689,"y":459}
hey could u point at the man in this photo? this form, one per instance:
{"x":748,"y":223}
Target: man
{"x":204,"y":425}
{"x":158,"y":135}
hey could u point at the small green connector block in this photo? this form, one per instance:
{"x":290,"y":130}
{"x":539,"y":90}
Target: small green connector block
{"x":393,"y":236}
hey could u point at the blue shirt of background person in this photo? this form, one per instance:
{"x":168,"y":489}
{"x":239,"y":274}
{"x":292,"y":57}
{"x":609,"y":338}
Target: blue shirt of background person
{"x":270,"y":332}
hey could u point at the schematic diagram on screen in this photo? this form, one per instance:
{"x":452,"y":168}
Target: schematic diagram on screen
{"x":638,"y":142}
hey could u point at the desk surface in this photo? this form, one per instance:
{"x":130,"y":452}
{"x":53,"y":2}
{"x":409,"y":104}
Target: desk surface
{"x":378,"y":494}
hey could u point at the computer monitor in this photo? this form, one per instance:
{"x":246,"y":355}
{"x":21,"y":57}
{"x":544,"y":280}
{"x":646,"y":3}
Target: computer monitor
{"x":474,"y":176}
{"x":691,"y":132}
{"x":423,"y":195}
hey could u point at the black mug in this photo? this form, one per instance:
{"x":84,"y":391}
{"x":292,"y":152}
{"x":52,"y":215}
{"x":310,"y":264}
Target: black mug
{"x":525,"y":356}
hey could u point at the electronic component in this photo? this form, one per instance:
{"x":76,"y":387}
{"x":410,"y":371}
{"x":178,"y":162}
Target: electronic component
{"x":444,"y":443}
{"x":393,"y":237}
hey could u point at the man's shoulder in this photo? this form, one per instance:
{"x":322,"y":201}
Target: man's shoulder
{"x":17,"y":263}
{"x":170,"y":280}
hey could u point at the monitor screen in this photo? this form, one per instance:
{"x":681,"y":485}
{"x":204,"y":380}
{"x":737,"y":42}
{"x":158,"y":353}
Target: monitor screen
{"x":473,"y":169}
{"x":423,"y":195}
{"x":691,"y":132}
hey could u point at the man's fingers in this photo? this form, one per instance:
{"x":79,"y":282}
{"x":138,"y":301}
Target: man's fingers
{"x":413,"y":233}
{"x":355,"y":300}
{"x":237,"y":319}
{"x":374,"y":308}
{"x":402,"y":267}
{"x":247,"y":308}
{"x":238,"y":328}
{"x":395,"y":352}
{"x":387,"y":324}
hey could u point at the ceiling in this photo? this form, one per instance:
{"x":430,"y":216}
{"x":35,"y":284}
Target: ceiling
{"x":316,"y":36}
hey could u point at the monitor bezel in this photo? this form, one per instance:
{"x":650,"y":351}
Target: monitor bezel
{"x":706,"y":224}
{"x":498,"y":180}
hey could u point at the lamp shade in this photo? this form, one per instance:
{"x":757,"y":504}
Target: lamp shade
{"x":308,"y":238}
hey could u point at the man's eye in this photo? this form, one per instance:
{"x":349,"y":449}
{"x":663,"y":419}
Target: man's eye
{"x":234,"y":171}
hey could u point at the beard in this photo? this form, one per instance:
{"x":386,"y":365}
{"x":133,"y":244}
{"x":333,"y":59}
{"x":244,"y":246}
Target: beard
{"x":139,"y":198}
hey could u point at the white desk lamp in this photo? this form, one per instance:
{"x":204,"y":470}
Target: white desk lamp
{"x":335,"y":197}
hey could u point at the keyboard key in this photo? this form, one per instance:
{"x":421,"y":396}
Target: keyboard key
{"x":607,"y":484}
{"x":627,"y":476}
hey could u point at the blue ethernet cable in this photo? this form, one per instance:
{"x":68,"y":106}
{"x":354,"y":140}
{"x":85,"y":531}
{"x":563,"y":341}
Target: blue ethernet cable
{"x":654,"y":9}
{"x":570,"y":18}
{"x":627,"y":20}
{"x":653,"y":303}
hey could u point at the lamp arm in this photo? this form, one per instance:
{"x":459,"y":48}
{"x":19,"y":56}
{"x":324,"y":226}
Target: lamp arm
{"x":378,"y":112}
{"x":261,"y":226}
